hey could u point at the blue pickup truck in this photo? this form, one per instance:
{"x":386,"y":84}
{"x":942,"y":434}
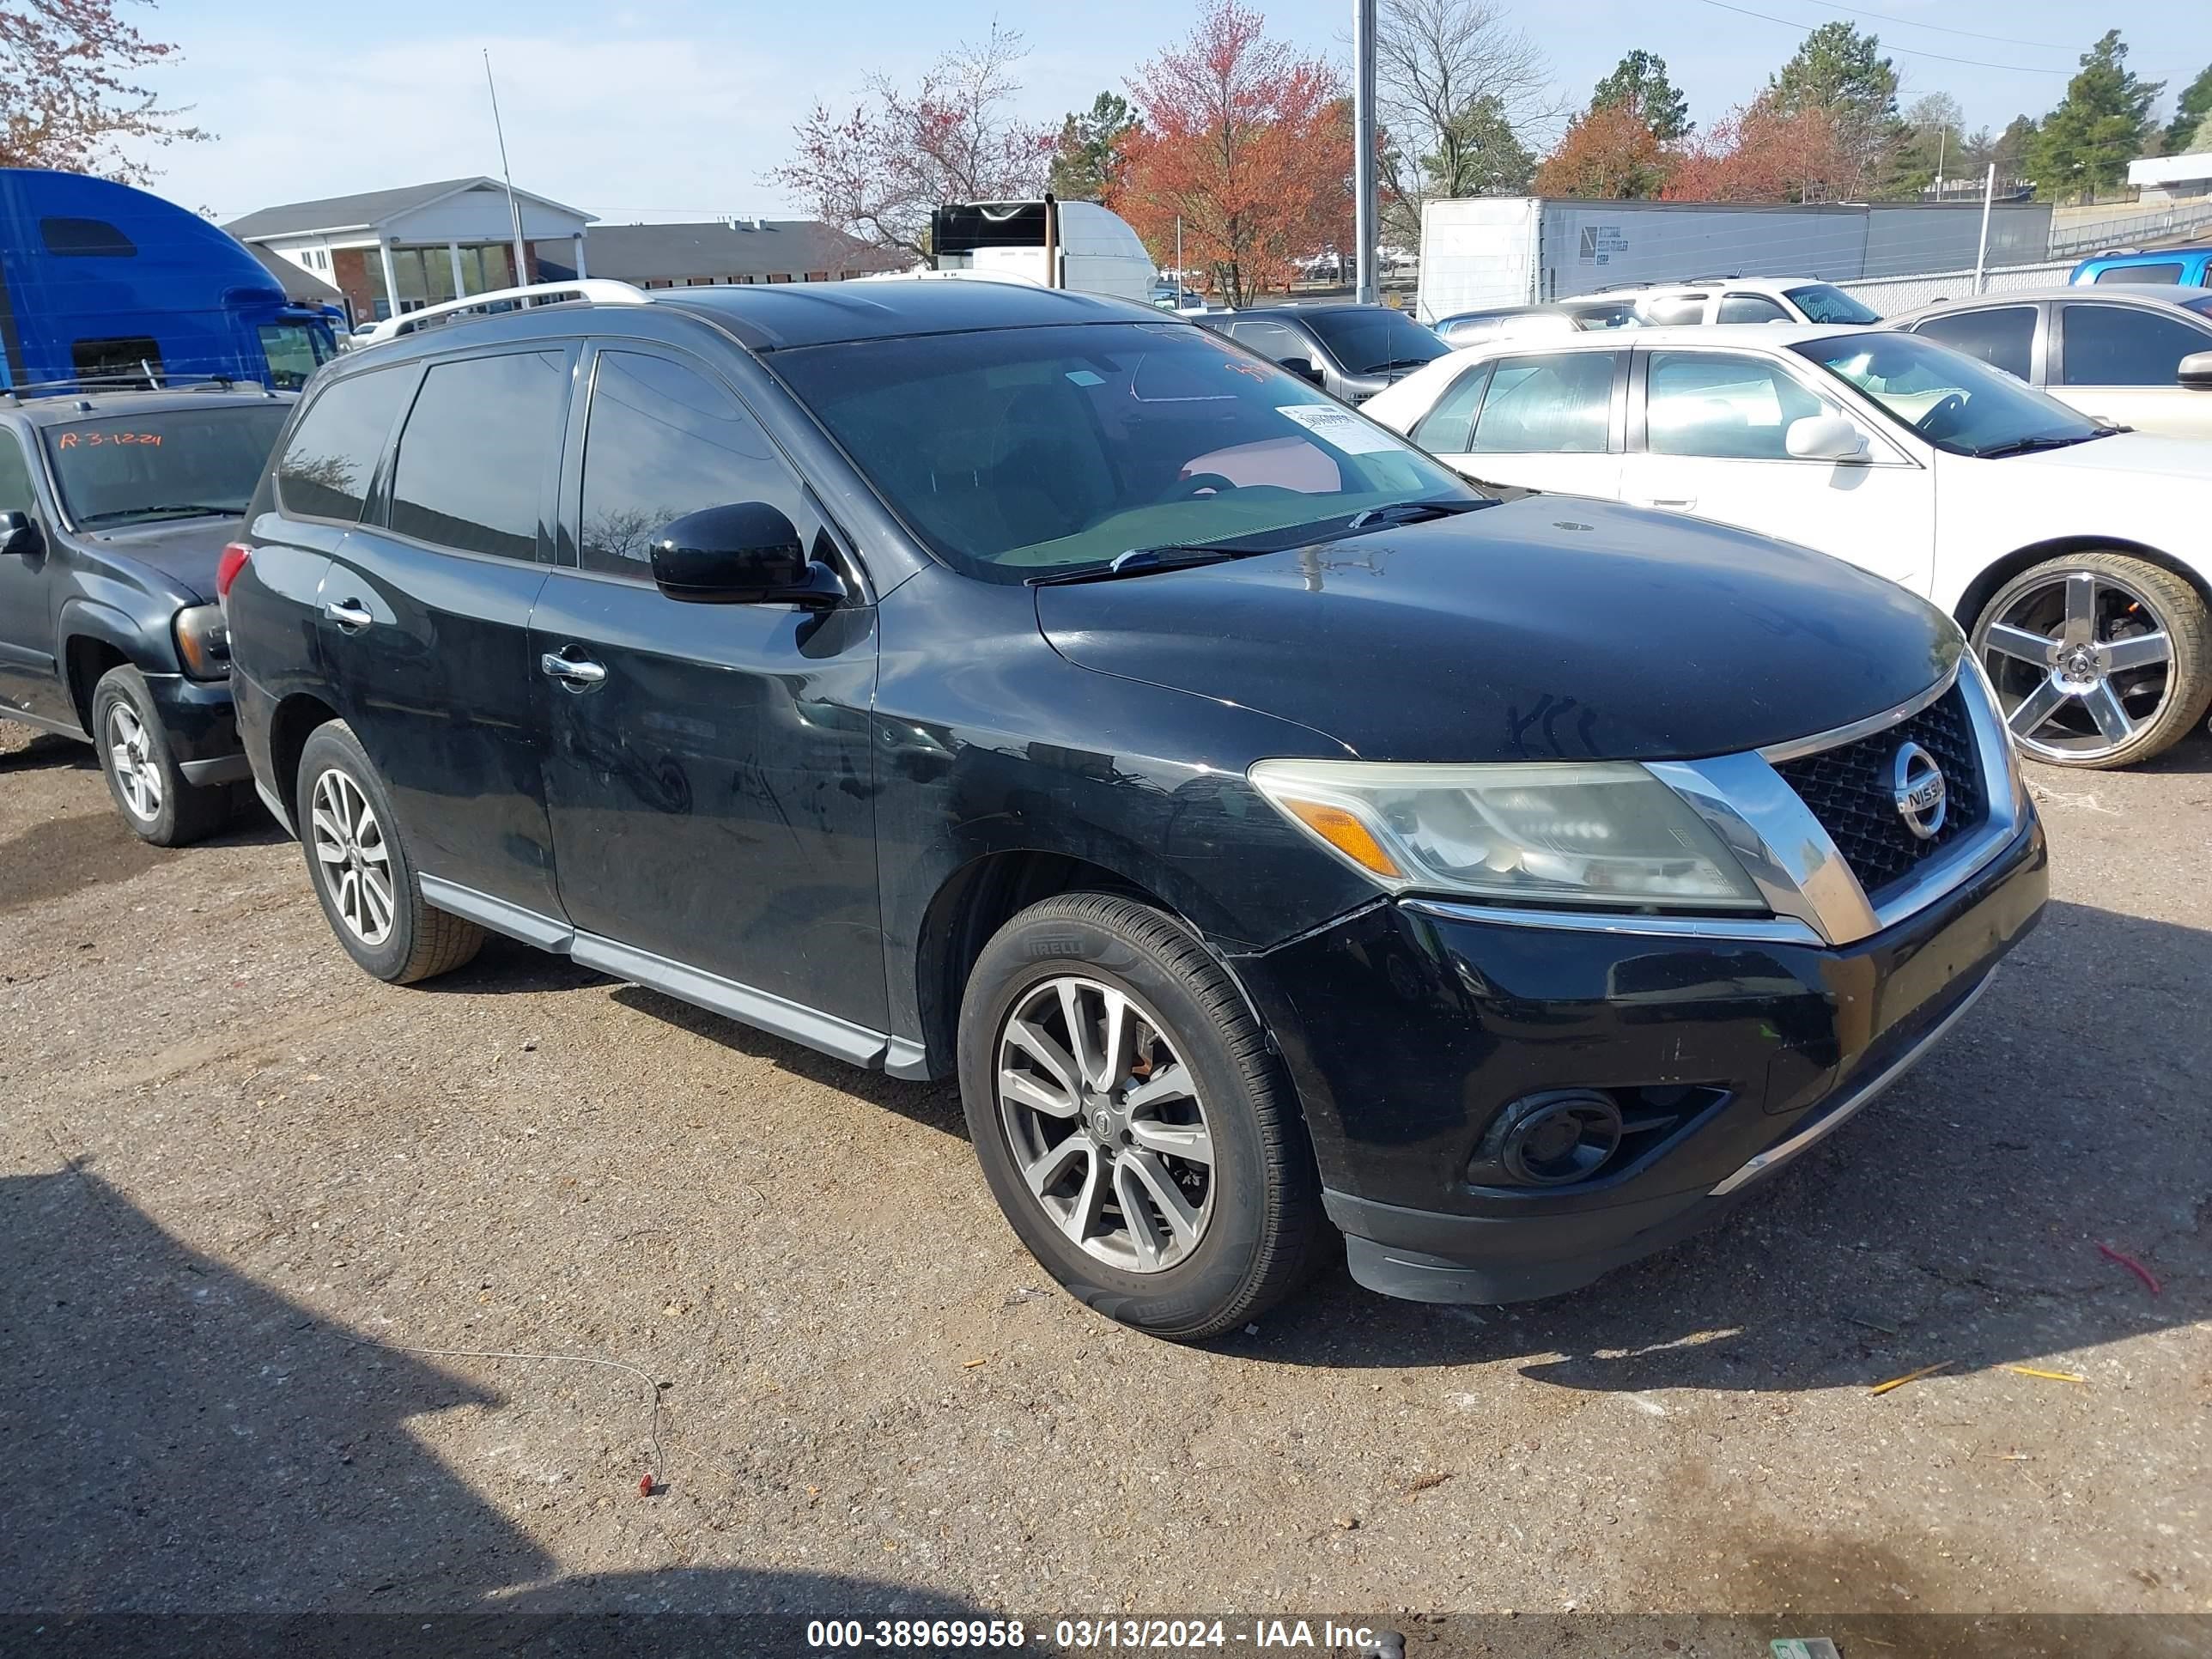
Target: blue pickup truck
{"x":2185,"y":267}
{"x":101,"y":283}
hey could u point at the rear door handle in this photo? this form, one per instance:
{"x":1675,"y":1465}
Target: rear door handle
{"x":349,"y":613}
{"x":577,"y":673}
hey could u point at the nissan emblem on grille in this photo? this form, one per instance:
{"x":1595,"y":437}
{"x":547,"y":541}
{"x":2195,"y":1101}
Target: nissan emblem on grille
{"x":1918,"y":782}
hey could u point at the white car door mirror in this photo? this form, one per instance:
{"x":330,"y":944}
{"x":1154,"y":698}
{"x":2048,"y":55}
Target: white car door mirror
{"x":2196,"y":371}
{"x":1825,"y":438}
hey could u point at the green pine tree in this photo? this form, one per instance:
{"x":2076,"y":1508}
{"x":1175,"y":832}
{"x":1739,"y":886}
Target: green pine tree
{"x":1842,"y":72}
{"x":2185,"y":133}
{"x":1087,"y":161}
{"x":2086,"y":143}
{"x":1639,"y":80}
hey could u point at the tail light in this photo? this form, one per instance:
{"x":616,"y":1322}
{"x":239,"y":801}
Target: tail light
{"x":227,"y":568}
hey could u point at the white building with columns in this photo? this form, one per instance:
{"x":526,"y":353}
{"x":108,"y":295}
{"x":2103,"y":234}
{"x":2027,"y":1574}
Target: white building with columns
{"x":398,"y":249}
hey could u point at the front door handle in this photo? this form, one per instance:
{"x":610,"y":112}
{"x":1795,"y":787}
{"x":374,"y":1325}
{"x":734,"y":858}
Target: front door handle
{"x":349,"y":613}
{"x":577,"y":673}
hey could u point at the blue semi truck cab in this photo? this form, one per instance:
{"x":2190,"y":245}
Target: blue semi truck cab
{"x":102,"y":283}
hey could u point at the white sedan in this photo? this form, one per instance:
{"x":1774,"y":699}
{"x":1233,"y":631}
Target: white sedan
{"x":2078,"y":559}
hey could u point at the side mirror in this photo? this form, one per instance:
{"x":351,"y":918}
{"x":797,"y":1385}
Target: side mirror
{"x":19,"y":537}
{"x":743,"y":554}
{"x":1305,"y":368}
{"x":2196,"y":371}
{"x":1825,"y":438}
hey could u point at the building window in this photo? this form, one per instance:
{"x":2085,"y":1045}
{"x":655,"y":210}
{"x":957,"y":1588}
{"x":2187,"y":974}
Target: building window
{"x":817,"y":276}
{"x":779,"y":275}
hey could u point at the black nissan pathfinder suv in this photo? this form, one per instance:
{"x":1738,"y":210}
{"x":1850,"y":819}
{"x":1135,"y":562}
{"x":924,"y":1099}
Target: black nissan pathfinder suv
{"x":115,"y":507}
{"x":1276,"y":836}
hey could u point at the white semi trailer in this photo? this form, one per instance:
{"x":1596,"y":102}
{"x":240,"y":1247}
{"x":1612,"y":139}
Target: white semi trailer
{"x":1485,"y":251}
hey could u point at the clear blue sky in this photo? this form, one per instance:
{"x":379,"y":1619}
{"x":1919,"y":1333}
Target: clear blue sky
{"x":678,"y":110}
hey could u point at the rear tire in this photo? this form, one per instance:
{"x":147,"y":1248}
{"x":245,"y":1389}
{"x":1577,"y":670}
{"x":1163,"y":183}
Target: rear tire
{"x":358,"y":862}
{"x":1162,"y":1176}
{"x":148,"y":787}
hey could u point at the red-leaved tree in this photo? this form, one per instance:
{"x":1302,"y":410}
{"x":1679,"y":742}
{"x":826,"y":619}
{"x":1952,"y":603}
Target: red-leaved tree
{"x":1246,"y":143}
{"x":68,"y":97}
{"x":876,"y":172}
{"x":1609,"y":152}
{"x":1758,"y":153}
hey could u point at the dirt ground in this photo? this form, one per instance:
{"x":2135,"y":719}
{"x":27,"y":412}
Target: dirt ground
{"x":231,"y":1166}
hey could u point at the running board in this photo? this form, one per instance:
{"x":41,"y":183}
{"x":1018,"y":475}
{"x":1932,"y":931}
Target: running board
{"x":855,"y":1044}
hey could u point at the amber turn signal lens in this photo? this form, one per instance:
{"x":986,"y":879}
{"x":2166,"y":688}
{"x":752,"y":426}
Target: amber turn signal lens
{"x":1345,"y":833}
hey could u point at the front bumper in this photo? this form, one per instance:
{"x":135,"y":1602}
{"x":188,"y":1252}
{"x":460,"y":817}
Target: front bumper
{"x":1408,"y":1029}
{"x":202,"y":726}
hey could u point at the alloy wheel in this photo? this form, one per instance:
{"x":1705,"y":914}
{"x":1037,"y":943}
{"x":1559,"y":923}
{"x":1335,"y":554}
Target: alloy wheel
{"x":2081,"y":663}
{"x":1105,"y":1123}
{"x":355,"y":862}
{"x":130,"y":756}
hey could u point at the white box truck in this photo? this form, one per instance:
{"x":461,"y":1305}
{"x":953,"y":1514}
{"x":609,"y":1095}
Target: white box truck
{"x":1093,"y":251}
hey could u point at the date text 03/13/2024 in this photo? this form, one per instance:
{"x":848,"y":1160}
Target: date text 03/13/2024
{"x":1101,"y":1635}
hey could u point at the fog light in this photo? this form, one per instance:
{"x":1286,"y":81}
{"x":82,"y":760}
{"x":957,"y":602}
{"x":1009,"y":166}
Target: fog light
{"x":1552,"y":1139}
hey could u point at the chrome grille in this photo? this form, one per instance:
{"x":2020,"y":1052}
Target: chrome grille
{"x":1848,"y":789}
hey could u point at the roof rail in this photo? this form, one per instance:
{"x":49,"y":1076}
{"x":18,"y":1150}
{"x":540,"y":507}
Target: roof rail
{"x":597,"y":290}
{"x":155,"y":381}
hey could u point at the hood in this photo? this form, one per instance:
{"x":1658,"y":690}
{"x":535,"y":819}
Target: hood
{"x":1548,"y":626}
{"x":2145,"y":453}
{"x":185,"y":550}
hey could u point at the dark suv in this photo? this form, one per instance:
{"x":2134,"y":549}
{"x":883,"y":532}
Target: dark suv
{"x":1350,"y":351}
{"x":1269,"y":830}
{"x":115,"y":507}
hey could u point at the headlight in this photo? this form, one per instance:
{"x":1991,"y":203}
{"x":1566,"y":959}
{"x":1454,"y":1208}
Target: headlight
{"x":1581,"y":832}
{"x":204,"y":643}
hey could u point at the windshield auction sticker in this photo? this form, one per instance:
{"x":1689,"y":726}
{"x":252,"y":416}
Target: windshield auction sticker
{"x":1340,"y":427}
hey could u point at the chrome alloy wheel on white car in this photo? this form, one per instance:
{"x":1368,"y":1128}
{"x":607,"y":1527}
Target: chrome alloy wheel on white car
{"x":2082,"y":662}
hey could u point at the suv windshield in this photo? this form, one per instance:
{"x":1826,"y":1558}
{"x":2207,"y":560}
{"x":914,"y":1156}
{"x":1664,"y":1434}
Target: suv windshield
{"x":1823,"y":303}
{"x":293,"y":349}
{"x":1374,"y":339}
{"x":165,"y":464}
{"x":1955,"y":402}
{"x":1020,"y":452}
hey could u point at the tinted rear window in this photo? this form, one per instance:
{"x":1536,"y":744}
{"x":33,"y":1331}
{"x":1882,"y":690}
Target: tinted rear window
{"x":2162,"y":273}
{"x":164,"y":464}
{"x":479,"y":447}
{"x":334,"y":450}
{"x":1823,"y":302}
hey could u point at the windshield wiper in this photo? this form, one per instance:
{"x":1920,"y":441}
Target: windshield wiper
{"x":166,"y":510}
{"x":1145,"y":560}
{"x":1412,"y":513}
{"x":2041,"y":441}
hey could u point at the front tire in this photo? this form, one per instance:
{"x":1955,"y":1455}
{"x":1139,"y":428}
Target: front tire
{"x":148,"y":787}
{"x":358,"y":862}
{"x":1133,"y":1127}
{"x":2099,"y":659}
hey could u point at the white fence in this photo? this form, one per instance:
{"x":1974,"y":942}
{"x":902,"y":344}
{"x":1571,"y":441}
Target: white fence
{"x":1893,"y":296}
{"x":2081,"y":239}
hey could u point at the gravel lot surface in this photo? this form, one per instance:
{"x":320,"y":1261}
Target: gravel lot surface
{"x":230,"y":1164}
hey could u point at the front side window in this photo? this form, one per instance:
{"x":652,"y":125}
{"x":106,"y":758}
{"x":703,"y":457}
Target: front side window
{"x":1726,"y":407}
{"x":477,"y":451}
{"x":1823,"y":302}
{"x":294,"y":352}
{"x":326,"y":467}
{"x":663,"y":440}
{"x":165,"y":464}
{"x":1017,"y":452}
{"x":1374,"y":339}
{"x":1272,"y":340}
{"x":1752,"y":309}
{"x":16,"y":495}
{"x":1449,"y":427}
{"x":1561,"y":405}
{"x":2158,"y":273}
{"x":2003,"y":337}
{"x":127,"y":357}
{"x":85,"y":239}
{"x":1952,"y":401}
{"x":2121,"y":345}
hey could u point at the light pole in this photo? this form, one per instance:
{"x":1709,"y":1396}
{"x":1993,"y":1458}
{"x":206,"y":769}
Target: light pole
{"x":1362,"y":139}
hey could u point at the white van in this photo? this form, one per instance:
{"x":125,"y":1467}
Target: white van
{"x":1097,"y":251}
